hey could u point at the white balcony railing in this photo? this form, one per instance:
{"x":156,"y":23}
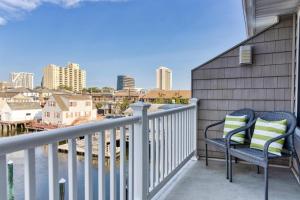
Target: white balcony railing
{"x":159,"y":145}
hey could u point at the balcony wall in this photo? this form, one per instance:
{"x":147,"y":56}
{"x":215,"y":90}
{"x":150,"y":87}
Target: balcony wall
{"x":223,"y":85}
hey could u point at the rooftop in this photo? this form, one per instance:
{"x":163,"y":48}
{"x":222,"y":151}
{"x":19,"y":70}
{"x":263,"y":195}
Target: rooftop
{"x":24,"y":106}
{"x":61,"y":103}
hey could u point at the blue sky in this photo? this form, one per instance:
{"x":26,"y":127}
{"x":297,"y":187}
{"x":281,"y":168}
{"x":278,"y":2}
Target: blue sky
{"x":112,"y":37}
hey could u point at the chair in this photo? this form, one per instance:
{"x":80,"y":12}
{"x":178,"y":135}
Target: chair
{"x":262,"y":158}
{"x":220,"y":143}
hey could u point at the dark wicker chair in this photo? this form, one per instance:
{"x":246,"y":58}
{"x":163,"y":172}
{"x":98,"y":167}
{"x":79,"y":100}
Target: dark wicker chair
{"x":262,"y":158}
{"x":220,"y":143}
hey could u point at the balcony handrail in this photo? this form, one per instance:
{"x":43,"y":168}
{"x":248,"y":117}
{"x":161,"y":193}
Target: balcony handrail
{"x":32,"y":140}
{"x":160,"y":144}
{"x":170,"y":111}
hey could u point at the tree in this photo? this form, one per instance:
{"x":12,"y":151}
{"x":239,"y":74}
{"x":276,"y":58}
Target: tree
{"x":99,"y":105}
{"x":159,"y":101}
{"x":64,"y":87}
{"x":124,"y":105}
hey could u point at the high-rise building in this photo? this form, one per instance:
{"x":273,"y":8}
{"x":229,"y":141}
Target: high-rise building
{"x":21,"y":79}
{"x":125,"y":82}
{"x":71,"y":76}
{"x":164,"y":78}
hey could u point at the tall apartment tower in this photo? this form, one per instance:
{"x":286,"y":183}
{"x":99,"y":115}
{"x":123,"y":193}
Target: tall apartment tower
{"x":125,"y":82}
{"x":70,"y":76}
{"x":164,"y":78}
{"x":21,"y":79}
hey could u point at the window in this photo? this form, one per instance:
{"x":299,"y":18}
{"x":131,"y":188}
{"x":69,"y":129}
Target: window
{"x":88,"y":103}
{"x":57,"y":115}
{"x":51,"y":103}
{"x":47,"y":114}
{"x":87,"y":114}
{"x":73,"y":104}
{"x":28,"y":114}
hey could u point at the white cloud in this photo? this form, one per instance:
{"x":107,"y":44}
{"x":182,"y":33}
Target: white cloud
{"x":2,"y":21}
{"x":10,"y":9}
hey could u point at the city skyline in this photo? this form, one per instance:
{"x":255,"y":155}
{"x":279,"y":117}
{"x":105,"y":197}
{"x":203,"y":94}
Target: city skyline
{"x":112,"y":38}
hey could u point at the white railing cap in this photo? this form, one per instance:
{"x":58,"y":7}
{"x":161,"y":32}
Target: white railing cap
{"x":140,"y":106}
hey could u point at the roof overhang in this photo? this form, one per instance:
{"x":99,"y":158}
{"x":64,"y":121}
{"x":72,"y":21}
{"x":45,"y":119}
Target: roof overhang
{"x":260,"y":14}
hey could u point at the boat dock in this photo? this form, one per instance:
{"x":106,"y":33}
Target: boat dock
{"x":80,"y":145}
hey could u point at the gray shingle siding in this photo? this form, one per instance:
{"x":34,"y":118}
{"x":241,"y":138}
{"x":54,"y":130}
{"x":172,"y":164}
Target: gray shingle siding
{"x":222,"y":85}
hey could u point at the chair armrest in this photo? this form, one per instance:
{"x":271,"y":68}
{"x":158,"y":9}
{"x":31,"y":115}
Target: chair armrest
{"x":235,"y":131}
{"x":269,"y":142}
{"x":211,"y":125}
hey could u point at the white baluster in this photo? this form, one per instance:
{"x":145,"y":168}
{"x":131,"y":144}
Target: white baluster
{"x":88,"y":183}
{"x":112,"y":164}
{"x":169,"y":143}
{"x":53,"y":171}
{"x":122,"y":163}
{"x":152,"y":154}
{"x":101,"y":166}
{"x":186,"y":134}
{"x":162,"y":152}
{"x":182,"y":136}
{"x":157,"y":138}
{"x":189,"y":131}
{"x":173,"y":141}
{"x":177,"y":149}
{"x":72,"y":169}
{"x":131,"y":162}
{"x":29,"y":174}
{"x":3,"y":178}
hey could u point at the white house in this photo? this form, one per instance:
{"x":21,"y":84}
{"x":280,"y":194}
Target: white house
{"x":25,"y":91}
{"x":15,"y":97}
{"x":16,"y":111}
{"x":68,"y":110}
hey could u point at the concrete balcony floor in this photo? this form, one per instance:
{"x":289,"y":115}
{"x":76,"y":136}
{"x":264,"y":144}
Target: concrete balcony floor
{"x":196,"y":182}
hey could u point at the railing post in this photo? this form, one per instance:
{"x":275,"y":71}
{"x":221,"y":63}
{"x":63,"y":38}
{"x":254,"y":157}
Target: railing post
{"x":194,"y":101}
{"x":141,"y":155}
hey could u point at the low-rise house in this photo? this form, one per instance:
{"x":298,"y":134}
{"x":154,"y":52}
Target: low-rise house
{"x":24,"y":91}
{"x":15,"y":97}
{"x":4,"y":85}
{"x":102,"y":97}
{"x":129,"y":95}
{"x":17,"y":111}
{"x":167,"y":96}
{"x":68,"y":110}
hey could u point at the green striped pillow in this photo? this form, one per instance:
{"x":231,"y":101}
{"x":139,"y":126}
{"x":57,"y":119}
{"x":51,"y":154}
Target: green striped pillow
{"x":232,"y":123}
{"x":266,"y":130}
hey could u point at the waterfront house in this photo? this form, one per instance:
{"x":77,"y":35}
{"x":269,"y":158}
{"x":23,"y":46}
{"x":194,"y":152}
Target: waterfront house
{"x":20,"y":111}
{"x":24,"y":91}
{"x":15,"y":97}
{"x":68,"y":110}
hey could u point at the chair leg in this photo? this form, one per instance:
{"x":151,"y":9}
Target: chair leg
{"x":206,"y":155}
{"x":230,"y":167}
{"x":257,"y":167}
{"x":226,"y":160}
{"x":266,"y":181}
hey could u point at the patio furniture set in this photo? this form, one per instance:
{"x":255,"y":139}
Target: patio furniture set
{"x":255,"y":137}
